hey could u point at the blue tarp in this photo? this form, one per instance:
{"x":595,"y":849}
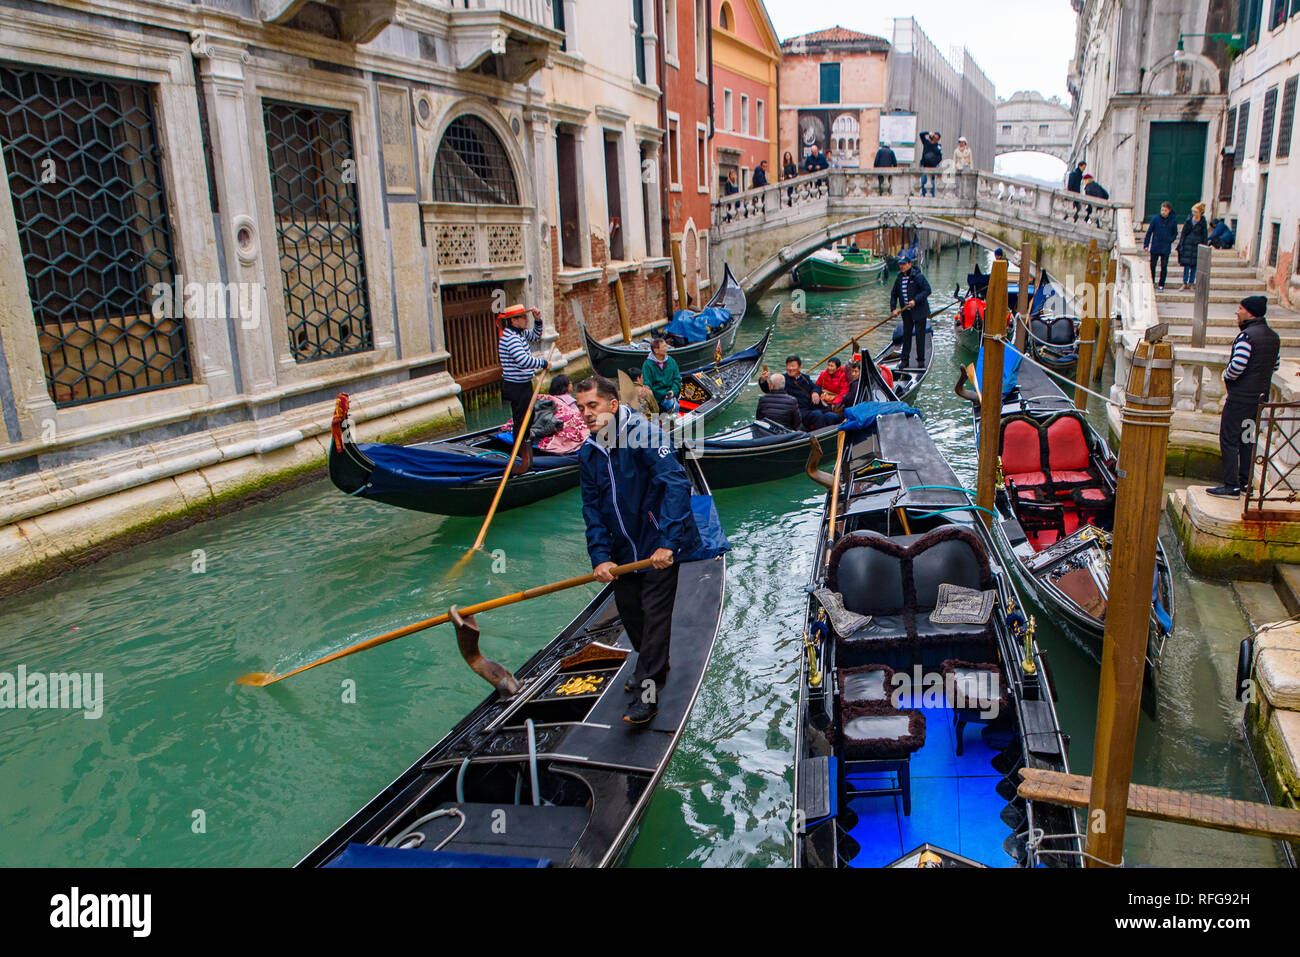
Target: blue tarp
{"x":402,"y":469}
{"x":365,"y":856}
{"x":696,"y":326}
{"x":1011,"y":360}
{"x":713,"y":539}
{"x":1162,"y":616}
{"x":860,"y":417}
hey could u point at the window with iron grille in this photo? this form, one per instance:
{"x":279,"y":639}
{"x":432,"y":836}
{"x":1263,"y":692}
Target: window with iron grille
{"x":1230,"y":131}
{"x":472,"y":166}
{"x":638,"y":43}
{"x":1243,"y":126}
{"x":91,"y":210}
{"x":318,"y":229}
{"x":1287,"y":119}
{"x":1274,"y":240}
{"x":1266,"y":127}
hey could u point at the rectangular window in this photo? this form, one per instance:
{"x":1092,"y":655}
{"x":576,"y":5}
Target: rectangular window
{"x":726,"y":109}
{"x":1287,"y":120}
{"x":674,"y":153}
{"x":702,"y":39}
{"x":760,"y":120}
{"x":1006,"y":128}
{"x":614,"y":195}
{"x":670,"y":30}
{"x":1274,"y":240}
{"x":1251,"y":12}
{"x":1230,"y":131}
{"x":702,"y":158}
{"x":638,"y":39}
{"x":318,"y":230}
{"x":557,"y":7}
{"x":1243,"y":127}
{"x":830,"y":82}
{"x":1278,"y":16}
{"x":567,"y":160}
{"x":744,"y":113}
{"x":95,"y":239}
{"x":1043,"y":129}
{"x":1266,"y":126}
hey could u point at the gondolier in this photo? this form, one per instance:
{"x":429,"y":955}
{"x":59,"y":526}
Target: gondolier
{"x":518,"y":366}
{"x":636,"y":502}
{"x":1255,"y":357}
{"x":911,"y":299}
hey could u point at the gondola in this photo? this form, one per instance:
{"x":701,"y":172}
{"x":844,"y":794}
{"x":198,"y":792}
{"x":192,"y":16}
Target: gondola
{"x":762,"y":451}
{"x":826,"y":271}
{"x":921,"y":688}
{"x":610,"y":359}
{"x":1055,"y":514}
{"x":1054,"y":341}
{"x":460,"y":476}
{"x":549,"y":775}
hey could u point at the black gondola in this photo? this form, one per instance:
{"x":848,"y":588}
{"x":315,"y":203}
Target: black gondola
{"x":460,"y":476}
{"x":1054,"y":341}
{"x":762,"y":451}
{"x":1056,"y":511}
{"x":550,"y":775}
{"x":610,"y":359}
{"x":914,"y":638}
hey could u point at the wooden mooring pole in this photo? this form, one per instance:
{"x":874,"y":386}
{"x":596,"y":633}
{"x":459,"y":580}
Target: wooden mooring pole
{"x":1144,"y":440}
{"x":995,"y":327}
{"x":678,"y":275}
{"x":1087,"y":326}
{"x":1105,"y":311}
{"x":624,"y":320}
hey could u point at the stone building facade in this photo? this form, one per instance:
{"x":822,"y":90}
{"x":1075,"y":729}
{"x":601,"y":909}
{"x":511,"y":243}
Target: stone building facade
{"x":1027,"y":120}
{"x":215,"y":217}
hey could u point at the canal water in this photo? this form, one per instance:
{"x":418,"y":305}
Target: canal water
{"x":186,"y":768}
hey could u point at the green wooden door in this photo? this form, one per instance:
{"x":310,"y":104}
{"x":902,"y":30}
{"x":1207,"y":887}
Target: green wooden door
{"x":1176,"y":167}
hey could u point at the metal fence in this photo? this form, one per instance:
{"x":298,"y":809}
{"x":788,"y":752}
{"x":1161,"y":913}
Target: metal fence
{"x":1275,"y":471}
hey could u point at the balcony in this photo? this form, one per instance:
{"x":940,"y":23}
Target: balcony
{"x":473,"y":243}
{"x":508,"y":39}
{"x":353,"y":21}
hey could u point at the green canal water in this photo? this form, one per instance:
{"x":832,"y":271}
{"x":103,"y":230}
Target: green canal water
{"x":186,"y":768}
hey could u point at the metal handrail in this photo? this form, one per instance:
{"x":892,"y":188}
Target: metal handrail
{"x":1277,"y":431}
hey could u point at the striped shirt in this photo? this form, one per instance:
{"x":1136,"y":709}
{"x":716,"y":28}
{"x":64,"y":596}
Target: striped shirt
{"x":518,"y":364}
{"x":1241,"y":356}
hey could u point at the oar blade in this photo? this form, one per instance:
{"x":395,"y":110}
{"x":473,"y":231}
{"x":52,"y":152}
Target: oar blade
{"x":256,"y":679}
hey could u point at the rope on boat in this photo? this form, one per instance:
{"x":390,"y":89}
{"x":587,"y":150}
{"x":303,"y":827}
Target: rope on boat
{"x":942,"y":511}
{"x":1020,"y":320}
{"x":1035,"y":836}
{"x":1056,"y":375}
{"x":411,"y":831}
{"x":532,"y":760}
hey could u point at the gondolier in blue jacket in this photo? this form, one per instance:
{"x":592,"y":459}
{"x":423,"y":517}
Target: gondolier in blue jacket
{"x":636,"y":502}
{"x":518,"y":366}
{"x":1256,"y":355}
{"x":911,"y":298}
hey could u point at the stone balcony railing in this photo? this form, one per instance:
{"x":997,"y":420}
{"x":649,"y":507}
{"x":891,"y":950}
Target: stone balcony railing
{"x":477,"y":243}
{"x":978,"y":195}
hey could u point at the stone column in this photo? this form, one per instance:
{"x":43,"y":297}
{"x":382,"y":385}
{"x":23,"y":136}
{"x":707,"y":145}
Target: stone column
{"x":221,"y":72}
{"x":539,"y":249}
{"x":654,"y":215}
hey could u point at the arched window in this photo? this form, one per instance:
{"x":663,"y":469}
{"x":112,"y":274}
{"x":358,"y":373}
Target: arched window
{"x":726,"y":19}
{"x":472,"y":166}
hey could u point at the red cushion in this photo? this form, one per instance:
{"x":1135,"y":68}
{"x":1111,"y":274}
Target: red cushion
{"x":1094,"y":494}
{"x":1071,"y":521}
{"x":1067,"y":477}
{"x":1042,"y":538}
{"x":1067,"y":448}
{"x":1021,"y":452}
{"x":1026,"y":479}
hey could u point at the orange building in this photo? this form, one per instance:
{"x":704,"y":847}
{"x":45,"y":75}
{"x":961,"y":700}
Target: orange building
{"x":746,"y":61}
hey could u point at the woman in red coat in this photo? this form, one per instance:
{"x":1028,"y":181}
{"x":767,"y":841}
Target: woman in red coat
{"x":833,"y":383}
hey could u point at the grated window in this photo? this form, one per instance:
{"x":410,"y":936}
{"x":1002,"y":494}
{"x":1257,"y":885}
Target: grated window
{"x":472,"y":166}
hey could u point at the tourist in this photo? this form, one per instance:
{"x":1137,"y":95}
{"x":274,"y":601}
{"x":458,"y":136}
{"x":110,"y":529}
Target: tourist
{"x":636,"y":503}
{"x":801,"y":388}
{"x":833,"y":383}
{"x":931,"y":157}
{"x":1194,"y":235}
{"x":518,"y":366}
{"x":732,"y":185}
{"x":778,"y":406}
{"x":859,"y":388}
{"x":1161,"y":233}
{"x":1074,"y":182}
{"x":1222,"y":236}
{"x":662,"y":376}
{"x":963,"y":159}
{"x":760,"y":176}
{"x":1256,"y":355}
{"x":1093,"y":188}
{"x":910,"y":298}
{"x":815,"y":161}
{"x":789,"y":170}
{"x":573,"y":431}
{"x":885,"y":159}
{"x":645,"y":400}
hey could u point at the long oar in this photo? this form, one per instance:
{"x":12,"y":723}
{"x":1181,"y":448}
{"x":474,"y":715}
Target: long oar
{"x":521,"y":432}
{"x":261,"y":680}
{"x":835,"y":495}
{"x":825,"y":359}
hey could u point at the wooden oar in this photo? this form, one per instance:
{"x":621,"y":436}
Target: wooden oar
{"x":835,"y":494}
{"x":974,"y":380}
{"x":261,"y":680}
{"x":521,"y":432}
{"x":850,"y":342}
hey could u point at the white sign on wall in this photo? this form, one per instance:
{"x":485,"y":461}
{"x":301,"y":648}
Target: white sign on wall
{"x":898,"y":130}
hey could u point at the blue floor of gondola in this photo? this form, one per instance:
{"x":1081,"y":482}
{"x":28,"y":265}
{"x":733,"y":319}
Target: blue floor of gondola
{"x":955,"y":804}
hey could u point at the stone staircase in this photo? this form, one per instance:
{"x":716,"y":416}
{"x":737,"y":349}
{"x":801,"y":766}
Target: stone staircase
{"x":1231,"y":280}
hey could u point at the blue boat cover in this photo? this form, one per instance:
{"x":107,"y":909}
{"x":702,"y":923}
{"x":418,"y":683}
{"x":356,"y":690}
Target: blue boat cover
{"x":1162,"y":616}
{"x":365,"y":856}
{"x":696,"y":326}
{"x":1011,"y":360}
{"x":860,"y":417}
{"x":713,"y":540}
{"x":401,"y":468}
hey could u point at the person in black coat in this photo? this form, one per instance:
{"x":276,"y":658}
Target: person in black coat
{"x":1162,"y":231}
{"x":910,"y":298}
{"x":760,"y":176}
{"x":801,"y":388}
{"x":789,"y":170}
{"x":931,"y":157}
{"x":1195,"y":234}
{"x":885,"y":158}
{"x":1075,"y":181}
{"x":778,"y":406}
{"x":1093,"y":188}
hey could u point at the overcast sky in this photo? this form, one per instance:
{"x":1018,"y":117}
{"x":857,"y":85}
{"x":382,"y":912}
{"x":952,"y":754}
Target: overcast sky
{"x":1019,"y":44}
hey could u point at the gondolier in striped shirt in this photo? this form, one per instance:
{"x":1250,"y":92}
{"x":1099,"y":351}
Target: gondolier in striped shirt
{"x":518,"y":366}
{"x":911,"y":299}
{"x":1256,"y":355}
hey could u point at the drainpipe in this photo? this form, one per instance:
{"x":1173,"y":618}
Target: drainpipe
{"x":665,"y":217}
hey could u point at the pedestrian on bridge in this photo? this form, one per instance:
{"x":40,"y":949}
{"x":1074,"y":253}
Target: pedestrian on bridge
{"x":1256,"y":355}
{"x":931,"y":158}
{"x":964,"y":158}
{"x":1075,"y":181}
{"x":885,"y":158}
{"x":911,"y":298}
{"x":1195,"y":234}
{"x":1161,"y":233}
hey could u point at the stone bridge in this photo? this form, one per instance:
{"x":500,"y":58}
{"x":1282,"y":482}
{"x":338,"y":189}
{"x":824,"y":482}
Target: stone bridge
{"x":764,"y":233}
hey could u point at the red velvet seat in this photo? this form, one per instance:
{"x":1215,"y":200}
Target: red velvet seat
{"x":1068,"y":458}
{"x":1022,"y":454}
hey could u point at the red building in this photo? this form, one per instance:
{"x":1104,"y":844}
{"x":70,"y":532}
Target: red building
{"x":746,"y":60}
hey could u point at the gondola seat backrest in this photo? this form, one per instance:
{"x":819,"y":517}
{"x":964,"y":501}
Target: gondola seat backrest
{"x":896,"y":581}
{"x":1056,"y":331}
{"x":1022,"y":452}
{"x":1052,"y":456}
{"x":1068,"y":455}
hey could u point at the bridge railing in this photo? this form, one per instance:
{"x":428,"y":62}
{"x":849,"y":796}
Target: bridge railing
{"x":866,"y":188}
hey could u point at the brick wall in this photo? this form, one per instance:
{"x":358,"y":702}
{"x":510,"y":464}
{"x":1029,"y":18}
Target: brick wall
{"x":644,"y":294}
